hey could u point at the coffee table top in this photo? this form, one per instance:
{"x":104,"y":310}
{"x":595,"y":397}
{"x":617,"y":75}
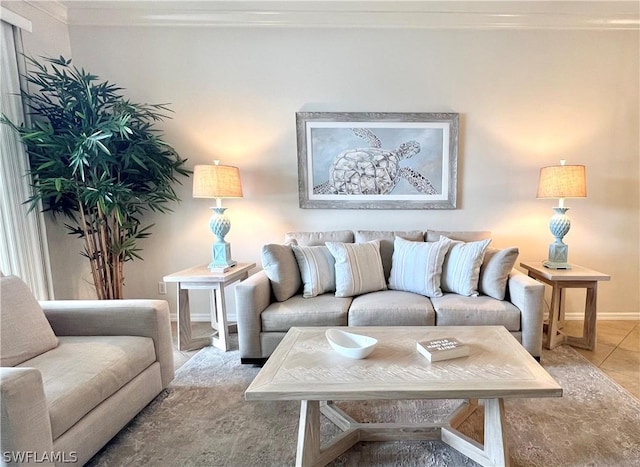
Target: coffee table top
{"x":305,"y":367}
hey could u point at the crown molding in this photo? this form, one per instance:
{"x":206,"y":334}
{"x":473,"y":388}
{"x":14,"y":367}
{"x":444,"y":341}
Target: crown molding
{"x":407,"y":14}
{"x":54,"y":8}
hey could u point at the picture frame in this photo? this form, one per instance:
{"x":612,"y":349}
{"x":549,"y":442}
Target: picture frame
{"x":366,"y":160}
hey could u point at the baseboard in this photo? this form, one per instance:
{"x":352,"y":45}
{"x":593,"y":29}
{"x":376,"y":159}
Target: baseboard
{"x":611,"y":316}
{"x":201,"y":317}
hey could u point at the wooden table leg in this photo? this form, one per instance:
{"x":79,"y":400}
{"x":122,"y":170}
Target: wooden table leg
{"x":308,"y":450}
{"x":184,"y":319}
{"x":186,"y":341}
{"x":555,"y":313}
{"x":222,"y":342}
{"x":495,"y":444}
{"x":588,"y":338}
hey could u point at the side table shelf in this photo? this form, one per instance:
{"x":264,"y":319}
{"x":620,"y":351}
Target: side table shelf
{"x":560,"y":279}
{"x":200,"y":277}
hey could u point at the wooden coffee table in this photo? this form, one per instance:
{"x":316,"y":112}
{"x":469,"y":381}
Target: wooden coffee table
{"x":304,"y":367}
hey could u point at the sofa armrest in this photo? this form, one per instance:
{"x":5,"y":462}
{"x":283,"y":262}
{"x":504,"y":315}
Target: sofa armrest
{"x":146,"y":318}
{"x":528,"y":295}
{"x":26,"y":428}
{"x":253,"y":295}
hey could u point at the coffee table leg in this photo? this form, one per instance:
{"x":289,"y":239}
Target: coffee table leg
{"x":308,"y":434}
{"x":493,"y":453}
{"x":495,"y":444}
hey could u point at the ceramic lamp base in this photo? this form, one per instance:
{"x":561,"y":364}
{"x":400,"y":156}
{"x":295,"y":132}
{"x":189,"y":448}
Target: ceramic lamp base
{"x":221,"y":254}
{"x":558,"y":253}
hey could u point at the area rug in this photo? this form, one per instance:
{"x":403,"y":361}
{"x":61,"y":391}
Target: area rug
{"x":202,"y":419}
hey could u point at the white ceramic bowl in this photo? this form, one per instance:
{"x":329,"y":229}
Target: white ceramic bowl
{"x":349,"y":344}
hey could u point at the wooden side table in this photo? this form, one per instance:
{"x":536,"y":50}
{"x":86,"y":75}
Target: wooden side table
{"x":560,"y":279}
{"x":200,"y":277}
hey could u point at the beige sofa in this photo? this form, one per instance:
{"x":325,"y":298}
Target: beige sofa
{"x":265,"y":315}
{"x":74,"y":373}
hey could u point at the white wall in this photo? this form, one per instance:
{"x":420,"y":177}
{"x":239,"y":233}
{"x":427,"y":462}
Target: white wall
{"x":526,"y":99}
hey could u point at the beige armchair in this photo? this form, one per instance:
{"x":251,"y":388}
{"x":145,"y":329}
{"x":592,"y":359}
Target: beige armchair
{"x":74,"y":373}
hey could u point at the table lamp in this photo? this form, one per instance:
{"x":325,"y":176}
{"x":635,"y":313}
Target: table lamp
{"x":561,"y":181}
{"x":218,"y":181}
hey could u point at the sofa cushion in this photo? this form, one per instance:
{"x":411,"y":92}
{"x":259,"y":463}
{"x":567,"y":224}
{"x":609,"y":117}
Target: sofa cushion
{"x":461,"y":235}
{"x":83,"y":371}
{"x":281,"y":267}
{"x":322,"y":310}
{"x":461,"y":267}
{"x":24,"y":331}
{"x":456,"y":310}
{"x":317,"y":269}
{"x":358,"y":268}
{"x":391,"y":308}
{"x":417,"y":266}
{"x":387,"y":238}
{"x":495,"y":269}
{"x":319,"y":238}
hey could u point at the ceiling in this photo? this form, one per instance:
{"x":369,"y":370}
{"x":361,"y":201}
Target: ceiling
{"x":451,"y":14}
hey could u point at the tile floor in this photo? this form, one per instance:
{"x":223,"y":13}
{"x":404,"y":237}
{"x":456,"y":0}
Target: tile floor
{"x":617,"y":351}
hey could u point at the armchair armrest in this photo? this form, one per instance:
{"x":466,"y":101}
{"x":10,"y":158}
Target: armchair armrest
{"x":528,"y":295}
{"x":146,"y":318}
{"x":26,"y":428}
{"x":253,"y":295}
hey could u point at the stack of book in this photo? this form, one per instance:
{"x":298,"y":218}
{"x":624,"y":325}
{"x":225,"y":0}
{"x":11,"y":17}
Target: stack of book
{"x":442,"y":349}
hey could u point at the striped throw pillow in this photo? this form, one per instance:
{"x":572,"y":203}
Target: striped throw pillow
{"x":417,"y":266}
{"x":317,"y":270}
{"x":461,"y":268}
{"x":358,"y":268}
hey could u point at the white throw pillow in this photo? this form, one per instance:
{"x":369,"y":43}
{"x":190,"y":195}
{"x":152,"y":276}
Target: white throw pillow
{"x":417,"y":266}
{"x":358,"y":268}
{"x":461,"y":268}
{"x":495,"y":269}
{"x":317,"y":269}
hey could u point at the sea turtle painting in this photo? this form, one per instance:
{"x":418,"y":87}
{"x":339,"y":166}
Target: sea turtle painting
{"x":373,"y":170}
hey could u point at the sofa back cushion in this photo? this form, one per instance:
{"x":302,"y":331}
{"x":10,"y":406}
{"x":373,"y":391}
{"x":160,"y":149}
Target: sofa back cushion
{"x":461,"y":235}
{"x":281,"y":267}
{"x":318,"y":238}
{"x":25,"y":332}
{"x":387,"y":238}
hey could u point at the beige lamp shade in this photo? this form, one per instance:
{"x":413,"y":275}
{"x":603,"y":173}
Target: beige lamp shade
{"x":216,"y":181}
{"x":563,"y":181}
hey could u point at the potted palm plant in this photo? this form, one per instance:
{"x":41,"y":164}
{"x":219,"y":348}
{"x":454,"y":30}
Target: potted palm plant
{"x":97,"y":159}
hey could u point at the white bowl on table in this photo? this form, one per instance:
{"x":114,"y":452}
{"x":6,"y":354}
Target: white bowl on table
{"x":349,"y":344}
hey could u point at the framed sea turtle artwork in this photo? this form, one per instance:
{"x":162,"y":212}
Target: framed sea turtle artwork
{"x":357,"y":160}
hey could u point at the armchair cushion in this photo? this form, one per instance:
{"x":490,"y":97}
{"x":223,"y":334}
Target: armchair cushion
{"x":83,"y":371}
{"x":25,"y":332}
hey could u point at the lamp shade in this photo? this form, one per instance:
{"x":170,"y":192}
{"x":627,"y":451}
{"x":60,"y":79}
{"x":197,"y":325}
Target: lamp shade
{"x":216,"y":181}
{"x":563,"y":181}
